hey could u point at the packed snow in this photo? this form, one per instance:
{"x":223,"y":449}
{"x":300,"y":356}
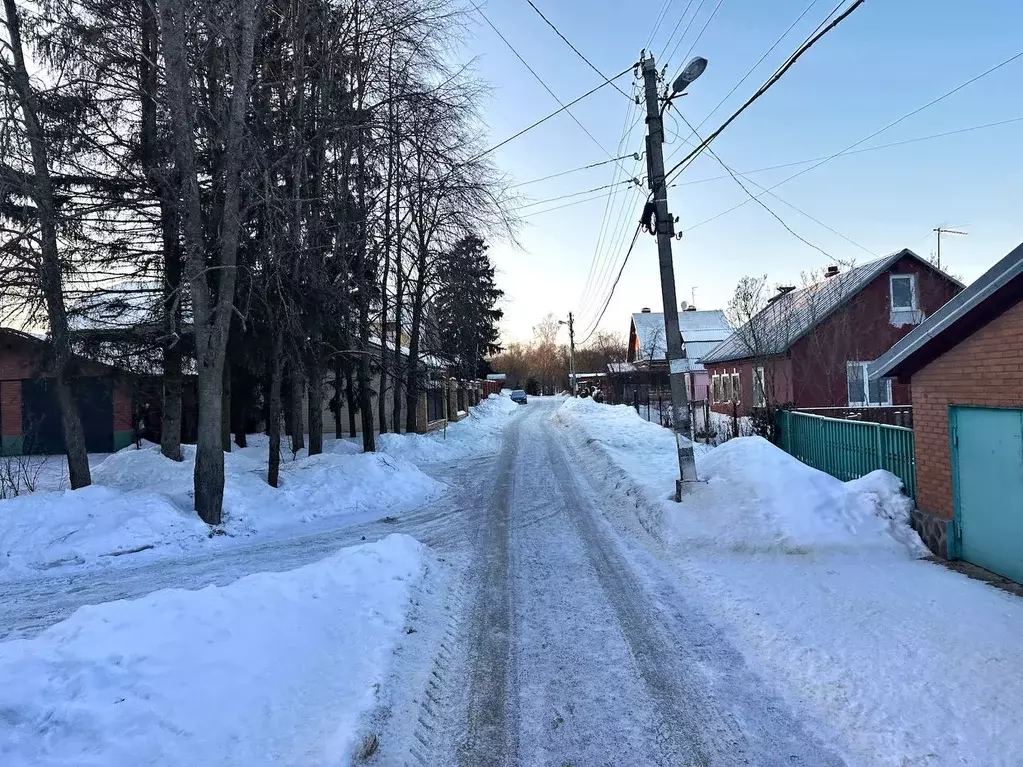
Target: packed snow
{"x":479,"y":433}
{"x":820,"y":583}
{"x":275,"y":668}
{"x":141,"y":504}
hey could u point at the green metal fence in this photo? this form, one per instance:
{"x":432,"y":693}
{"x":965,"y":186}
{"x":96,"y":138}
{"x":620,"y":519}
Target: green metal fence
{"x":849,"y":449}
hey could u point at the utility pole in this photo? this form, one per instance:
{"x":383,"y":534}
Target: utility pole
{"x":665,"y":231}
{"x":940,"y":231}
{"x":571,"y":352}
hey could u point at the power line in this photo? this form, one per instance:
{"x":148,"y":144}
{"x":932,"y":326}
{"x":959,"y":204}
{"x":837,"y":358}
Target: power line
{"x":564,"y":107}
{"x":657,"y":23}
{"x":710,"y":18}
{"x":576,"y":50}
{"x":596,"y":323}
{"x":684,"y":31}
{"x":559,"y":207}
{"x":810,"y":42}
{"x":572,"y":170}
{"x":573,"y":194}
{"x":759,"y":62}
{"x":848,"y":149}
{"x":890,"y":144}
{"x":764,"y":205}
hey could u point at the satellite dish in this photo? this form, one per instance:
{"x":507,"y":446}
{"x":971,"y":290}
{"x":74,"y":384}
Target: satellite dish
{"x":684,"y":305}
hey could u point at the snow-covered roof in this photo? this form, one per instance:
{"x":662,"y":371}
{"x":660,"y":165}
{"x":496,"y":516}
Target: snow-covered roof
{"x":790,"y":316}
{"x":701,"y":331}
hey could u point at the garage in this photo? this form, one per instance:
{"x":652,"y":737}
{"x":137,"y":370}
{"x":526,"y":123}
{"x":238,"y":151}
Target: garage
{"x":40,"y":415}
{"x":987,"y":473}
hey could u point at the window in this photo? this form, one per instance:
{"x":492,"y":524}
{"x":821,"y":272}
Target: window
{"x":759,"y":392}
{"x":726,"y":388}
{"x":864,"y":393}
{"x":715,"y":388}
{"x":903,"y":288}
{"x":736,"y":388}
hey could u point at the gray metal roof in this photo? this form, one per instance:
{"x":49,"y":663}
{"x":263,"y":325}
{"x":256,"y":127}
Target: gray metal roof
{"x":978,"y":291}
{"x":788,"y":318}
{"x":701,"y":332}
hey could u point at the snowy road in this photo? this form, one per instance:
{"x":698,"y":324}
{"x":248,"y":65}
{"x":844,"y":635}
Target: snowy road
{"x":566,"y":637}
{"x":581,"y":651}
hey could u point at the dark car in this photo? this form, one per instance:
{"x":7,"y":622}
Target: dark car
{"x":519,"y":396}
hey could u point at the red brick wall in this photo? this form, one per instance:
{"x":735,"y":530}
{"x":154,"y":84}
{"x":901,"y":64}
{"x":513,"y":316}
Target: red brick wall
{"x":861,"y":331}
{"x":984,"y":370}
{"x":10,"y":407}
{"x":122,"y":408}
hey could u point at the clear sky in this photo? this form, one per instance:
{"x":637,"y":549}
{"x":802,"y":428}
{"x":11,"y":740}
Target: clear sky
{"x":889,"y":58}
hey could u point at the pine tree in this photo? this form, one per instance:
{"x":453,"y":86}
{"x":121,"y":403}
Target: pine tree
{"x":466,"y":305}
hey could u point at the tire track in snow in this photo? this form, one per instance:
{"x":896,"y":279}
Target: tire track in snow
{"x":489,"y":739}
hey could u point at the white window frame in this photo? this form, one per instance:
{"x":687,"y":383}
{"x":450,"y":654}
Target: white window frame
{"x":761,"y":400}
{"x":736,"y":387}
{"x":914,"y":300}
{"x":715,"y":388}
{"x":865,"y":402}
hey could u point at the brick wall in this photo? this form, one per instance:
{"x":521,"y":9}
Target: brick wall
{"x":984,"y":370}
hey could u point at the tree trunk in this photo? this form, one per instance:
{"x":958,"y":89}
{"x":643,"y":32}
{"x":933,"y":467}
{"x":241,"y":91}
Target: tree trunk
{"x":170,"y":427}
{"x":50,"y":280}
{"x":225,"y":408}
{"x":211,"y":316}
{"x":369,"y":444}
{"x":295,"y":401}
{"x":338,"y":395}
{"x":350,"y":399}
{"x":315,"y":401}
{"x":412,"y":365}
{"x":273,"y":410}
{"x":398,"y":374}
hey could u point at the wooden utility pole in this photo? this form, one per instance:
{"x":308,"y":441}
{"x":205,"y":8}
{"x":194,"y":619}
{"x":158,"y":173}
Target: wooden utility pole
{"x":675,"y":354}
{"x":940,"y":231}
{"x":571,"y":354}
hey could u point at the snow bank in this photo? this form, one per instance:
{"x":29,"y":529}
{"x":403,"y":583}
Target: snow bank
{"x":142,"y":504}
{"x":479,"y":433}
{"x":754,"y":497}
{"x":274,"y":668}
{"x":91,"y":526}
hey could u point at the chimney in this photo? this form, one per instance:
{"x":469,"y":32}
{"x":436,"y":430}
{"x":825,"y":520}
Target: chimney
{"x":782,"y":290}
{"x":832,"y":271}
{"x":646,"y":310}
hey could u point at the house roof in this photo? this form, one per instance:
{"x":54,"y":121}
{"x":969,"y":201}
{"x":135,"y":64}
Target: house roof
{"x":790,"y":316}
{"x":701,"y":331}
{"x":991,"y":294}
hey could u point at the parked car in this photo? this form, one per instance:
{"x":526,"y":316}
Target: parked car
{"x":519,"y":396}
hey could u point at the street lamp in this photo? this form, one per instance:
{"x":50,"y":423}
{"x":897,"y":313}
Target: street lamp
{"x":692,"y":71}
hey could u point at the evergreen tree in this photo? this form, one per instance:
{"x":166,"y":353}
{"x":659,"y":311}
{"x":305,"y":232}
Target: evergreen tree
{"x":466,"y":305}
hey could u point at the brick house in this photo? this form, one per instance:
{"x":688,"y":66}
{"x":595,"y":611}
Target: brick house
{"x":810,"y":348}
{"x":966,"y":367}
{"x":29,"y":415}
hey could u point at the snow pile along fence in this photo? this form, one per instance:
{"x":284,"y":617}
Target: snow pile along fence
{"x":849,"y":449}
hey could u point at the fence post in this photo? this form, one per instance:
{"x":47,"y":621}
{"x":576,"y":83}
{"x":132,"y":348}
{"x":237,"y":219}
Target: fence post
{"x":881,"y":463}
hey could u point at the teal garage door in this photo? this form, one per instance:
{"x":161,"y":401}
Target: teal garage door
{"x":987,"y":467}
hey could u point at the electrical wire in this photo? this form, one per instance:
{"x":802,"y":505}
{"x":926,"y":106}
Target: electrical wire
{"x":572,"y":170}
{"x":574,"y":49}
{"x":684,"y":32}
{"x":573,"y":194}
{"x":596,"y":323}
{"x":810,"y":42}
{"x":657,"y":23}
{"x":759,"y":62}
{"x":764,"y":205}
{"x":713,"y":13}
{"x":542,"y":120}
{"x":892,"y":124}
{"x":540,"y":80}
{"x":890,"y":144}
{"x":559,"y":207}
